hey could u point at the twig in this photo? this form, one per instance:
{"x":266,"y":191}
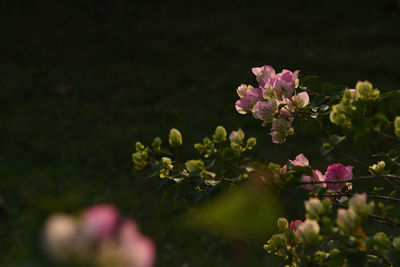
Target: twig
{"x":388,"y":136}
{"x":350,"y":158}
{"x":368,"y":196}
{"x":355,"y":179}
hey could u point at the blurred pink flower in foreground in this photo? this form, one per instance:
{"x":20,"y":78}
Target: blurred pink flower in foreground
{"x":295,"y":224}
{"x":99,"y":236}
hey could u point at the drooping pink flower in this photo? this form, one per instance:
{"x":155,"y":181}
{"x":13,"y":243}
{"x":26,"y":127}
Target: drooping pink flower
{"x":245,"y":104}
{"x":317,"y":177}
{"x":295,"y":224}
{"x":289,"y":81}
{"x":100,"y":221}
{"x":338,"y":172}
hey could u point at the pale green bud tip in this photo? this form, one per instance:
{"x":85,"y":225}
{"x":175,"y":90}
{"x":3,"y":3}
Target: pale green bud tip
{"x":358,"y":203}
{"x":378,"y":167}
{"x":396,"y":243}
{"x":175,"y":138}
{"x":139,"y":146}
{"x":346,"y":220}
{"x":382,"y":238}
{"x":282,"y":224}
{"x":308,"y":231}
{"x":251,"y":142}
{"x":314,"y":207}
{"x":237,"y":137}
{"x":397,"y":126}
{"x":366,"y":91}
{"x":156,"y":143}
{"x":219,"y":135}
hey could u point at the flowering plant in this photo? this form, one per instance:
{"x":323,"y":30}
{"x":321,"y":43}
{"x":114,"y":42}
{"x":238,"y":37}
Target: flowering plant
{"x":334,"y":229}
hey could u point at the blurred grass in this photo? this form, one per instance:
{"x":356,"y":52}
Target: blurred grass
{"x":81,"y":81}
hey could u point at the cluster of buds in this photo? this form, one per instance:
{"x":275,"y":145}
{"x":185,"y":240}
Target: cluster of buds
{"x":342,"y":113}
{"x":274,"y":101}
{"x":318,"y":240}
{"x":334,"y":172}
{"x":98,"y":236}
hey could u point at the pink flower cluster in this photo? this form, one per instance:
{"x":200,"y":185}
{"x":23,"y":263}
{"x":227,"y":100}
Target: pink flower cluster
{"x":99,"y":236}
{"x":273,"y":101}
{"x":334,"y":172}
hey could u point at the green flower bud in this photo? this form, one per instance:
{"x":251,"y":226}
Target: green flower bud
{"x":396,"y":243}
{"x":366,"y":91}
{"x":273,"y":167}
{"x":308,"y":232}
{"x":166,"y":164}
{"x":382,"y":238}
{"x":377,"y":168}
{"x":358,"y":203}
{"x":194,"y":165}
{"x":139,"y":146}
{"x":220,"y":134}
{"x":282,"y":224}
{"x":314,"y":208}
{"x":207,"y":148}
{"x":156,"y":144}
{"x":347,"y":220}
{"x":140,"y":160}
{"x":397,"y":126}
{"x":276,"y":242}
{"x":236,"y":138}
{"x":251,"y":142}
{"x":175,"y":138}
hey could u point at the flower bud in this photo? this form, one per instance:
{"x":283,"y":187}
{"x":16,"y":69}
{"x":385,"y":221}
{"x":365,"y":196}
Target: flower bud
{"x":156,"y":143}
{"x":366,"y":91}
{"x":397,"y":126}
{"x":358,"y":203}
{"x":140,"y":159}
{"x":220,"y":135}
{"x":346,"y":220}
{"x":139,"y":146}
{"x":396,"y":243}
{"x":308,"y":231}
{"x":175,"y":138}
{"x":377,"y":168}
{"x":236,"y":138}
{"x":251,"y":142}
{"x":314,"y":208}
{"x":382,"y":239}
{"x":282,"y":224}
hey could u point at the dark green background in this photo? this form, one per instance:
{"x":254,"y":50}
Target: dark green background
{"x":81,"y":81}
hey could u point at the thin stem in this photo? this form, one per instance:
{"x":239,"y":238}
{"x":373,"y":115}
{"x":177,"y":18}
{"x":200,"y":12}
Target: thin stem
{"x":358,"y":178}
{"x":388,"y":136}
{"x":350,"y":158}
{"x":368,"y":196}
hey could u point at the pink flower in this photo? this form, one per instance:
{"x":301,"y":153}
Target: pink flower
{"x":317,"y":177}
{"x":264,"y":72}
{"x":139,"y":248}
{"x":301,"y":100}
{"x":265,"y":110}
{"x":245,"y":104}
{"x":100,"y":221}
{"x":338,"y":172}
{"x":300,"y":160}
{"x":295,"y":224}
